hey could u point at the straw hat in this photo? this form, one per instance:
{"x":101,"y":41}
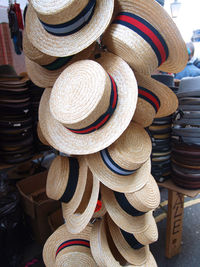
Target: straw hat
{"x":68,"y":27}
{"x":40,"y":135}
{"x":80,"y":96}
{"x":65,"y":249}
{"x":147,"y":198}
{"x":145,"y":36}
{"x":115,"y":165}
{"x":66,"y":181}
{"x":78,"y":219}
{"x":129,"y":247}
{"x":43,"y":69}
{"x":106,"y":254}
{"x":152,"y":96}
{"x":141,"y":224}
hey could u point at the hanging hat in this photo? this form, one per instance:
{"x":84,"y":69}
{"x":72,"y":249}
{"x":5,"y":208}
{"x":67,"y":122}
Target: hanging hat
{"x":105,"y":252}
{"x":70,"y":181}
{"x":131,"y":220}
{"x":65,"y":249}
{"x":77,"y":220}
{"x":90,"y":105}
{"x":155,"y":100}
{"x":145,"y":36}
{"x":189,"y":87}
{"x":124,"y":166}
{"x":40,"y":135}
{"x":43,"y":69}
{"x":68,"y":27}
{"x":128,"y":246}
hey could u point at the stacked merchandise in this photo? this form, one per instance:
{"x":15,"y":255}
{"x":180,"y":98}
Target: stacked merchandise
{"x":186,"y":135}
{"x":93,"y":112}
{"x":16,"y":135}
{"x":160,"y":131}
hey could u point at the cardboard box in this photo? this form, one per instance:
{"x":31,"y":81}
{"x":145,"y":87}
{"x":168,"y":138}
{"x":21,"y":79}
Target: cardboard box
{"x":37,"y":205}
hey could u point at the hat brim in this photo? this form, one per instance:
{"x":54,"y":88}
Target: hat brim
{"x":145,"y":113}
{"x":74,"y":43}
{"x":68,"y":142}
{"x":147,"y":198}
{"x":190,"y":93}
{"x":78,"y":219}
{"x":140,"y":226}
{"x":75,"y":255}
{"x":116,"y":36}
{"x":141,"y":257}
{"x":46,"y":78}
{"x":103,"y":253}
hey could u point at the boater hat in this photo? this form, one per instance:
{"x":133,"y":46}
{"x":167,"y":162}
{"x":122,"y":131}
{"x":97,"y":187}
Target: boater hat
{"x":43,"y":69}
{"x":90,"y":105}
{"x":67,"y":27}
{"x":131,"y":220}
{"x":155,"y":100}
{"x":70,"y":181}
{"x":106,"y":253}
{"x":124,"y":166}
{"x":65,"y":249}
{"x":145,"y":36}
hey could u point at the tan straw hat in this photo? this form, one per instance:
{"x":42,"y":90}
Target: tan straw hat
{"x":90,"y":105}
{"x":131,"y":220}
{"x":155,"y":100}
{"x":43,"y":69}
{"x":145,"y":36}
{"x":41,"y":136}
{"x":66,"y":181}
{"x":65,"y":249}
{"x":127,"y":245}
{"x":106,"y":254}
{"x":77,"y":220}
{"x":125,"y":165}
{"x":67,"y":27}
{"x":147,"y":198}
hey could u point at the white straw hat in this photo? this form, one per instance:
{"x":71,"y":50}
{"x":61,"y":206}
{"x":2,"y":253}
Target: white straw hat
{"x":145,"y":36}
{"x":155,"y":100}
{"x":87,"y":109}
{"x":141,"y":224}
{"x":67,"y":27}
{"x":106,"y":254}
{"x":124,"y":166}
{"x":65,"y":249}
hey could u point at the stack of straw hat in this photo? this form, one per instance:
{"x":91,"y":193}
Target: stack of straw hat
{"x":186,"y":135}
{"x":93,"y":111}
{"x":160,"y":131}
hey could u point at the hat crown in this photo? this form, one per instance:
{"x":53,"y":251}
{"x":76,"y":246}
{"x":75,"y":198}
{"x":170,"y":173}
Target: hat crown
{"x":81,"y":94}
{"x":62,"y":12}
{"x":189,"y":84}
{"x":132,"y":149}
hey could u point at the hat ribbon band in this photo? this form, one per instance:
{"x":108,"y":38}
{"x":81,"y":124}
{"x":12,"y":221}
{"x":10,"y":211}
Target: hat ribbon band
{"x":73,"y":25}
{"x":150,"y":97}
{"x":131,"y":240}
{"x":73,"y":242}
{"x":113,"y":166}
{"x":147,"y":32}
{"x":99,"y":203}
{"x":126,"y":206}
{"x":58,"y":63}
{"x":103,"y":119}
{"x":72,"y":180}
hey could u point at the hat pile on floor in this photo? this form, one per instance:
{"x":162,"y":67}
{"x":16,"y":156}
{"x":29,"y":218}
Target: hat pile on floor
{"x":160,"y":131}
{"x":93,"y":111}
{"x":16,"y":135}
{"x":186,"y":135}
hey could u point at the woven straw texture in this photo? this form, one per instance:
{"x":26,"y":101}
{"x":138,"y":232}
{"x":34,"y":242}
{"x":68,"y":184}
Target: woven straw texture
{"x":127,"y":44}
{"x":71,"y":143}
{"x":74,"y":43}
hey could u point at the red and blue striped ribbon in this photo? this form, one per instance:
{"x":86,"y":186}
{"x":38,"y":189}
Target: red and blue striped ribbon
{"x":103,"y":119}
{"x":150,"y":97}
{"x":147,"y":32}
{"x":73,"y":242}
